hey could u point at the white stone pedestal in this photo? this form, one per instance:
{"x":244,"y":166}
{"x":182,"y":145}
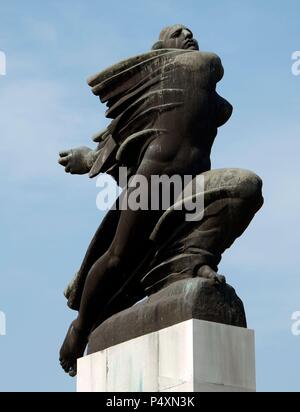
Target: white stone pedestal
{"x":192,"y":356}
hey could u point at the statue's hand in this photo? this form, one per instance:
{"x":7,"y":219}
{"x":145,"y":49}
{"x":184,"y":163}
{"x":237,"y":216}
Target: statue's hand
{"x":77,"y":161}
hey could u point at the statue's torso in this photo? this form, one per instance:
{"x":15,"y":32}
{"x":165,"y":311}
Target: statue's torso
{"x":164,"y":106}
{"x":192,"y":127}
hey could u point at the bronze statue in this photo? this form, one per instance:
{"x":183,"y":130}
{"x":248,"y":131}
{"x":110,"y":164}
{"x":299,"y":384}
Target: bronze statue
{"x":165,"y":114}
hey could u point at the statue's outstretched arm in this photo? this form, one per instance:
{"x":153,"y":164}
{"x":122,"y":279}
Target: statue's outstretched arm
{"x":81,"y":159}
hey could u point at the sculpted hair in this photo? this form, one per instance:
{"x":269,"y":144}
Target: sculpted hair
{"x":162,"y":36}
{"x":158,"y":45}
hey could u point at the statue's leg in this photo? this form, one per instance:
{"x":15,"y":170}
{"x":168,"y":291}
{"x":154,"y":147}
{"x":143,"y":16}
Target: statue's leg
{"x":97,"y":247}
{"x":231,"y":199}
{"x":128,"y":249}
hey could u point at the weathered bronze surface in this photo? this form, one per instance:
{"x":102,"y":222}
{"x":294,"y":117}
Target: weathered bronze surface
{"x":165,"y":115}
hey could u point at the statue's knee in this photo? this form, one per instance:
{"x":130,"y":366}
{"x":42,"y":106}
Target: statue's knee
{"x":250,"y":186}
{"x":237,"y":183}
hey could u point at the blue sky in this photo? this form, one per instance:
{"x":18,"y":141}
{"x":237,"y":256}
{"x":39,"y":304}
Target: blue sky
{"x":48,"y":217}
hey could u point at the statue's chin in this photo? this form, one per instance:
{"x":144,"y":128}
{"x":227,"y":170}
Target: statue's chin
{"x":191,"y":46}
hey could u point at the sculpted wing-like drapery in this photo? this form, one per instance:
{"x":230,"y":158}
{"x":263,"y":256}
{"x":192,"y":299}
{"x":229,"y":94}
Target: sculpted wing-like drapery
{"x":138,"y":91}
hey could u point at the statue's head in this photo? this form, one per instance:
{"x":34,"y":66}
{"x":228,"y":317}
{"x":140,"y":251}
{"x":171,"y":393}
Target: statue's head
{"x":176,"y":37}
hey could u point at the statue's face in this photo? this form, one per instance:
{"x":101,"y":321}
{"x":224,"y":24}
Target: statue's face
{"x":179,"y":37}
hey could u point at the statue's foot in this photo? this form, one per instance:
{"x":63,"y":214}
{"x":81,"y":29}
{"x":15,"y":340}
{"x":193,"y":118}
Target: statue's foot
{"x":208,"y":273}
{"x":72,"y":349}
